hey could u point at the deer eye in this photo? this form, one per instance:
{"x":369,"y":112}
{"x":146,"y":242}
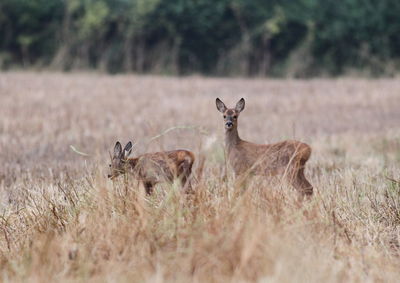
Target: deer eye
{"x":235,"y":117}
{"x":224,"y":116}
{"x":109,"y":165}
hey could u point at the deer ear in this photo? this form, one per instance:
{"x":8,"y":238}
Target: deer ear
{"x":220,"y":105}
{"x":117,"y":149}
{"x":240,"y":105}
{"x":128,"y":149}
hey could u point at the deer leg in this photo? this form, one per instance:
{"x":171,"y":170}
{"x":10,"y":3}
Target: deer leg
{"x":242,"y":180}
{"x":184,"y":172}
{"x":301,"y":184}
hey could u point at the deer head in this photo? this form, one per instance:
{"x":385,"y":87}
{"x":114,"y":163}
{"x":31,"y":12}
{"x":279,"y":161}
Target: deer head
{"x":119,"y":159}
{"x":231,"y":115}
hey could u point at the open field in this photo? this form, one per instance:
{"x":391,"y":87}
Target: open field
{"x":63,"y":220}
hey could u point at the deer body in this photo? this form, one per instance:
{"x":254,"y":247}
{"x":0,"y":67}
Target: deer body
{"x":286,"y":158}
{"x":153,"y":168}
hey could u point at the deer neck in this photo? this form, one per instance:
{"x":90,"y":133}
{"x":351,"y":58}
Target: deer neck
{"x":232,"y":138}
{"x":132,"y":162}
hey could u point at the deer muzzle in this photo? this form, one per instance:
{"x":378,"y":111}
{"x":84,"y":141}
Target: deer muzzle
{"x":228,"y":125}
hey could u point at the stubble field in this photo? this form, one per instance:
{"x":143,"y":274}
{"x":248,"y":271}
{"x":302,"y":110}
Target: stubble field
{"x":63,"y":220}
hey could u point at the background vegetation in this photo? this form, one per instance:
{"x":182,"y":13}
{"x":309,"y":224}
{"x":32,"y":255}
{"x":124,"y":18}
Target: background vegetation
{"x":298,"y":38}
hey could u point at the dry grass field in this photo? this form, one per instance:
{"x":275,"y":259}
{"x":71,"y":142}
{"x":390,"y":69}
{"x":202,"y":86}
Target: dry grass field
{"x":63,"y":220}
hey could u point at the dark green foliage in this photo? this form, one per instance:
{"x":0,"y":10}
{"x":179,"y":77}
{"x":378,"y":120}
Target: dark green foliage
{"x":357,"y":33}
{"x":224,"y":37}
{"x":28,"y":29}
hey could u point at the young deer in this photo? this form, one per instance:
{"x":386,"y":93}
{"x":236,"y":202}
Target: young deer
{"x":286,"y":158}
{"x":152,"y":168}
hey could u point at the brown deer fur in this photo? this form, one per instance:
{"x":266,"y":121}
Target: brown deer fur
{"x":286,"y":158}
{"x":152,"y":168}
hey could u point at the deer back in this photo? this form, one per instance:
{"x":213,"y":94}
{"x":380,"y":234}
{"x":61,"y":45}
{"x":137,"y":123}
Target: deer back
{"x":269,"y":159}
{"x":161,"y":166}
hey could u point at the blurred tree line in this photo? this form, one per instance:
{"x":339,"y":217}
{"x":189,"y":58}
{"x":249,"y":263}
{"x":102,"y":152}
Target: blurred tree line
{"x":297,"y":38}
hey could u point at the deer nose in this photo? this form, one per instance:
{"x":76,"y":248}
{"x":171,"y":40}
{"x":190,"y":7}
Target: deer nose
{"x":228,"y":124}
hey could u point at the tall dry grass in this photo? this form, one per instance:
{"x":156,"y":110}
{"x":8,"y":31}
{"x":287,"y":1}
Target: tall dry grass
{"x":62,"y":219}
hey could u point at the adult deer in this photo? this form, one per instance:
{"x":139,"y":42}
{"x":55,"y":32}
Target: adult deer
{"x":152,"y":168}
{"x":287,"y":158}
